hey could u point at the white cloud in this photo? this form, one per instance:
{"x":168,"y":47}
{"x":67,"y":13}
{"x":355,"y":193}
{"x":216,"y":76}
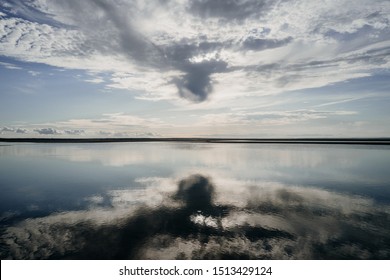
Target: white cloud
{"x":95,"y":81}
{"x":114,"y":120}
{"x":10,"y":66}
{"x":269,"y":118}
{"x":153,"y":85}
{"x":34,"y":73}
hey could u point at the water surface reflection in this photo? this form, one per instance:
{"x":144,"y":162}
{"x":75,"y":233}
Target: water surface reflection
{"x":204,"y":217}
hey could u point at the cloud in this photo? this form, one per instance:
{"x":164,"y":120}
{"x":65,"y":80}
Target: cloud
{"x":128,"y":134}
{"x":259,"y":121}
{"x":196,"y":85}
{"x":21,"y":130}
{"x":229,"y":9}
{"x":197,"y":218}
{"x":105,"y":133}
{"x":47,"y":131}
{"x":74,"y":131}
{"x":252,"y":43}
{"x":107,"y":28}
{"x":26,"y":10}
{"x":198,"y":48}
{"x":34,"y":73}
{"x":7,"y":129}
{"x":95,"y":81}
{"x":10,"y":66}
{"x":269,"y":118}
{"x":114,"y":121}
{"x":107,"y":125}
{"x":13,"y":130}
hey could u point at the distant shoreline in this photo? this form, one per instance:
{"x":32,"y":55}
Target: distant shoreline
{"x":355,"y":141}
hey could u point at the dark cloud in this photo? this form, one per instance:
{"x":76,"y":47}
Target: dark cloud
{"x":180,"y":52}
{"x":252,"y":43}
{"x":278,"y":223}
{"x":229,"y":9}
{"x":47,"y":131}
{"x":114,"y":31}
{"x":108,"y":27}
{"x":130,"y":40}
{"x":196,"y":84}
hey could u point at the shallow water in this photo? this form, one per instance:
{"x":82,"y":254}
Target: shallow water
{"x":194,"y":201}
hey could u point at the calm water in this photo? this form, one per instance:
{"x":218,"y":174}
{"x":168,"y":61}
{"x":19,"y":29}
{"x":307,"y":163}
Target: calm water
{"x":194,"y":201}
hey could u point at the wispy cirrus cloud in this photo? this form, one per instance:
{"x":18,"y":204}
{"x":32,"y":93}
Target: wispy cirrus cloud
{"x":271,"y":118}
{"x":10,"y":65}
{"x":114,"y":120}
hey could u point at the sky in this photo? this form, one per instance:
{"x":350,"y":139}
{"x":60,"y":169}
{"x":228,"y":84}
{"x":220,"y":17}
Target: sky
{"x":201,"y":68}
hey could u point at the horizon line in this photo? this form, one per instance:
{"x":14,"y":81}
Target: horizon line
{"x":300,"y":140}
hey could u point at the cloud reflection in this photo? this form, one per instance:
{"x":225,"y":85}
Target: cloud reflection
{"x":198,"y":217}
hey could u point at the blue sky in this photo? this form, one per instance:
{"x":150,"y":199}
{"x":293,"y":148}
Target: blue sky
{"x":176,"y":68}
